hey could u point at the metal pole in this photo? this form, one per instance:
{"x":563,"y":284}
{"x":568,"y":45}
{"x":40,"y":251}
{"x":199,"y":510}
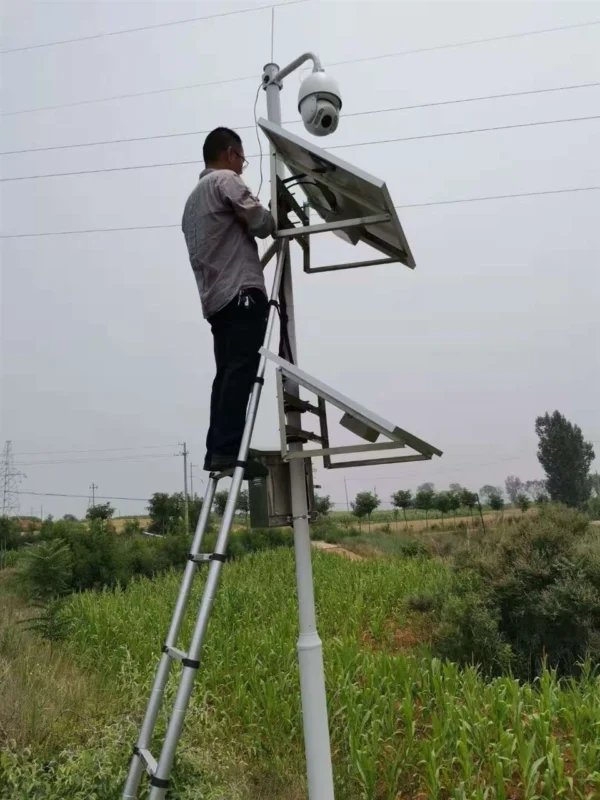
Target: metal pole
{"x":310,"y":651}
{"x":186,"y":511}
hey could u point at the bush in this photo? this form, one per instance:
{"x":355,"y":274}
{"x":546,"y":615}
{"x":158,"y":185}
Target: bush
{"x":10,"y":533}
{"x":46,"y":570}
{"x":532,"y":591}
{"x":9,"y":558}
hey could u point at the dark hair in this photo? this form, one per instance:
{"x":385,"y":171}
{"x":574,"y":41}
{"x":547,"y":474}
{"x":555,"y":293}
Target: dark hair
{"x":217,"y":142}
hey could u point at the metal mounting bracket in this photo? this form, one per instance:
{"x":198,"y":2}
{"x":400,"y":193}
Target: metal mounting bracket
{"x":363,"y":423}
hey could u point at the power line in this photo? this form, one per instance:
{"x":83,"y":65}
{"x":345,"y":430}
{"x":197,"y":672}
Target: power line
{"x":461,"y":132}
{"x":131,"y":95}
{"x":416,"y":106}
{"x":333,"y":147}
{"x":255,"y":77}
{"x":501,"y":197}
{"x":467,"y":43}
{"x":147,"y":27}
{"x":96,"y":460}
{"x":84,"y":496}
{"x":97,"y":450}
{"x":408,"y":205}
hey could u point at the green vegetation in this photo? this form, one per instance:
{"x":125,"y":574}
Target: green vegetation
{"x":566,"y":458}
{"x":405,"y":723}
{"x":364,"y":505}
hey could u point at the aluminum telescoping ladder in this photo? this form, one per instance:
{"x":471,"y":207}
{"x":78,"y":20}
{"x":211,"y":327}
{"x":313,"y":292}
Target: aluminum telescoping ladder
{"x":143,"y":760}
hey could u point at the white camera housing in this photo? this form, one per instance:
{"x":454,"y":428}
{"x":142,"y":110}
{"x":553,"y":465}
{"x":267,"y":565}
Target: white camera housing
{"x":319,"y":103}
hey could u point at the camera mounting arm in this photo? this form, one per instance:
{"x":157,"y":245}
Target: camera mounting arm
{"x":293,"y":65}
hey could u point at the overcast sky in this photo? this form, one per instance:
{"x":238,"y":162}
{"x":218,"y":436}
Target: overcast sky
{"x":103,"y":342}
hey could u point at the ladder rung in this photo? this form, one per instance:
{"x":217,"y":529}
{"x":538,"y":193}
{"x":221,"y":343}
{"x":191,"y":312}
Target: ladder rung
{"x":148,"y":760}
{"x":204,"y":558}
{"x":175,"y":653}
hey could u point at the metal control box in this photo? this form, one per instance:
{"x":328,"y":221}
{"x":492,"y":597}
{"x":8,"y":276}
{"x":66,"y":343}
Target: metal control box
{"x":270,"y":498}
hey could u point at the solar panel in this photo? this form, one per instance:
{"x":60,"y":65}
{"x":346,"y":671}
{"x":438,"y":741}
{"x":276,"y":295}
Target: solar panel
{"x":337,"y":191}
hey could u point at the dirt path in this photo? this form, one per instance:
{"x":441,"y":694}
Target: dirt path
{"x":335,"y":548}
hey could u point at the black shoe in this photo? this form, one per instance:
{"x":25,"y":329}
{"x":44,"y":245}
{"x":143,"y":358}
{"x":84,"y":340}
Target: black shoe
{"x":254,"y":469}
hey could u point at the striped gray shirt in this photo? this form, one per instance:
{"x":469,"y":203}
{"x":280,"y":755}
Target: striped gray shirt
{"x":220,"y":220}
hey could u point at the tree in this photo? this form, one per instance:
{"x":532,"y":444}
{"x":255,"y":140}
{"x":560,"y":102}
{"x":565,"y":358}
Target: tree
{"x":194,"y":509}
{"x":523,"y":502}
{"x":221,"y":502}
{"x":166,"y":511}
{"x":469,"y":500}
{"x":454,"y":496}
{"x":47,"y":569}
{"x":364,"y":505}
{"x":243,"y":504}
{"x":10,"y":533}
{"x":487,"y":491}
{"x":323,"y":504}
{"x":536,"y":489}
{"x":514,"y":487}
{"x":402,"y":499}
{"x":496,"y":502}
{"x":566,"y":458}
{"x":70,"y":518}
{"x":103,"y":511}
{"x":441,"y":503}
{"x":426,"y":487}
{"x":424,"y":500}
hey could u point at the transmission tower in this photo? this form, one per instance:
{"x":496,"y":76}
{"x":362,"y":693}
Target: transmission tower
{"x":9,"y":483}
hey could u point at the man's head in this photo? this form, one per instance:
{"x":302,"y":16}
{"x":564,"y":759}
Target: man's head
{"x":223,"y":149}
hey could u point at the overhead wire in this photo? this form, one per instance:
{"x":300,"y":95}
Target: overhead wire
{"x":466,"y":43}
{"x":540,"y":193}
{"x":442,"y":134}
{"x":154,"y":26}
{"x":95,"y":450}
{"x":416,"y":106}
{"x":84,"y":496}
{"x":95,"y":460}
{"x":130,"y":95}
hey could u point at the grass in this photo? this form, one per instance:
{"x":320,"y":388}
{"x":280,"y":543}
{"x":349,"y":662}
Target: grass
{"x":46,"y":700}
{"x":404,"y":726}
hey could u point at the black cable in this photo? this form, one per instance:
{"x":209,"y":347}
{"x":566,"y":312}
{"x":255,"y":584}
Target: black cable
{"x":96,"y":450}
{"x":84,"y":496}
{"x":467,"y":43}
{"x":147,"y":27}
{"x":389,"y":110}
{"x":333,"y":147}
{"x":407,"y":205}
{"x":361,"y":60}
{"x":94,"y":460}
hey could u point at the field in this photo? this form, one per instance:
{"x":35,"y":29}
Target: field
{"x":404,"y":725}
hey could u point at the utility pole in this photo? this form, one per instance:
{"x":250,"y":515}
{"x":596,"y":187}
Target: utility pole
{"x":93,"y":487}
{"x":9,"y":483}
{"x":185,"y":453}
{"x":192,"y":466}
{"x":309,"y":646}
{"x":346,"y":490}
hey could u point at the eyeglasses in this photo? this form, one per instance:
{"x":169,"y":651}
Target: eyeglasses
{"x":244,"y":160}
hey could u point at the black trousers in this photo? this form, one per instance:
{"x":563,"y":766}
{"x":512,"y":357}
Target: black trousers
{"x":238,"y":331}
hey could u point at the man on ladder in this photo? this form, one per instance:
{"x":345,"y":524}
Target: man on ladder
{"x":220,"y":222}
